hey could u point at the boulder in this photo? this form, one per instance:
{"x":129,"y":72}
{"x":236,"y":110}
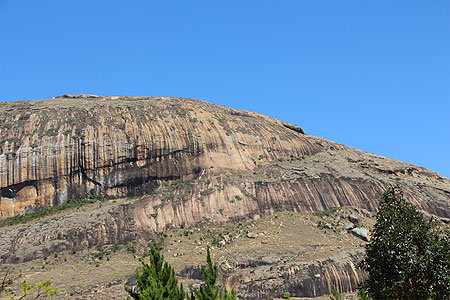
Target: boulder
{"x":252,"y":235}
{"x":354,"y":219}
{"x":349,"y":226}
{"x":362,"y":233}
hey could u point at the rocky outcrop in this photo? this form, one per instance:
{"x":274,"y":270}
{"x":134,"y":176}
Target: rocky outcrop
{"x":77,"y":230}
{"x":74,"y":145}
{"x":259,"y":274}
{"x":70,"y":146}
{"x":303,"y":279}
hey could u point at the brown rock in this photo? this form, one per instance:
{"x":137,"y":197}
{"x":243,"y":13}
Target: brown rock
{"x":76,"y":145}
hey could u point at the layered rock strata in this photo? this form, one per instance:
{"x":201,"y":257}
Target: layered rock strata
{"x":76,"y":145}
{"x":53,"y":150}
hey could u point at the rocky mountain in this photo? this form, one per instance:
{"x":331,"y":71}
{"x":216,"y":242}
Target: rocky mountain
{"x":176,"y":162}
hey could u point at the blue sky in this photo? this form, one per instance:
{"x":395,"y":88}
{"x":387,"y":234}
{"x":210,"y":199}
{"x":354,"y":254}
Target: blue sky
{"x":374,"y":75}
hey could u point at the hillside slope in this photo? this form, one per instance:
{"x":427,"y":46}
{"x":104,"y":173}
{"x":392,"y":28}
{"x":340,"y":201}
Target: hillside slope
{"x":181,"y":163}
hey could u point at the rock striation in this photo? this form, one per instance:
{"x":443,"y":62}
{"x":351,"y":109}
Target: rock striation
{"x":70,"y":146}
{"x":77,"y":145}
{"x":273,"y":274}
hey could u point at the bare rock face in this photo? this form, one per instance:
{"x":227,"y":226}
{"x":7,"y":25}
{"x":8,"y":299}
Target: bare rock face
{"x":67,"y":232}
{"x":273,"y":274}
{"x":75,"y":145}
{"x":56,"y":149}
{"x":256,"y":275}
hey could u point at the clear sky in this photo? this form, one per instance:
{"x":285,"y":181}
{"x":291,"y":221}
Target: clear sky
{"x":374,"y":75}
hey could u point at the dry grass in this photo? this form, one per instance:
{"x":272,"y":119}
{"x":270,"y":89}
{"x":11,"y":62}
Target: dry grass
{"x":81,"y":276}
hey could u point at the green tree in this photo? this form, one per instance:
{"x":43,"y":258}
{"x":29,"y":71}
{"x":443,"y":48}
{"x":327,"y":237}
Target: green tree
{"x":408,"y":257}
{"x":210,"y":290}
{"x":157,"y":280}
{"x":16,"y":287}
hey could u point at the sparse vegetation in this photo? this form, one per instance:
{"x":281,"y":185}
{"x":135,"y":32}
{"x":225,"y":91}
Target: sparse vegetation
{"x":208,"y":191}
{"x":71,"y":203}
{"x":99,"y":255}
{"x":14,"y":140}
{"x":51,"y":132}
{"x":115,"y":247}
{"x":131,"y":248}
{"x":175,"y":184}
{"x":328,"y":212}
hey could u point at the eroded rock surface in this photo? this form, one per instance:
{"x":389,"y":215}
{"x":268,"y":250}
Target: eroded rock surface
{"x":256,"y":275}
{"x":70,"y":146}
{"x":191,"y":164}
{"x":55,"y":149}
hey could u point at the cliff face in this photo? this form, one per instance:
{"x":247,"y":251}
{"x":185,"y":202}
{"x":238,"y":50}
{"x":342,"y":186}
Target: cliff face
{"x":75,"y":145}
{"x":52,"y":150}
{"x":190,"y":163}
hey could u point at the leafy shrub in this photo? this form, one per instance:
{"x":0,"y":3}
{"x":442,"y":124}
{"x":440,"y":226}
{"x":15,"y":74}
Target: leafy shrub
{"x":131,"y":248}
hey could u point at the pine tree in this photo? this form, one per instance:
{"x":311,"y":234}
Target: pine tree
{"x":210,"y":290}
{"x":157,"y":281}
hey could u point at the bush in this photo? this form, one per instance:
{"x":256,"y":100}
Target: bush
{"x":131,"y":248}
{"x":335,"y":295}
{"x":286,"y":295}
{"x":362,"y":295}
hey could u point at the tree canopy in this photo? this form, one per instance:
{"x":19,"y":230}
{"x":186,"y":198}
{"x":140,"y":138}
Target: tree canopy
{"x":408,"y":256}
